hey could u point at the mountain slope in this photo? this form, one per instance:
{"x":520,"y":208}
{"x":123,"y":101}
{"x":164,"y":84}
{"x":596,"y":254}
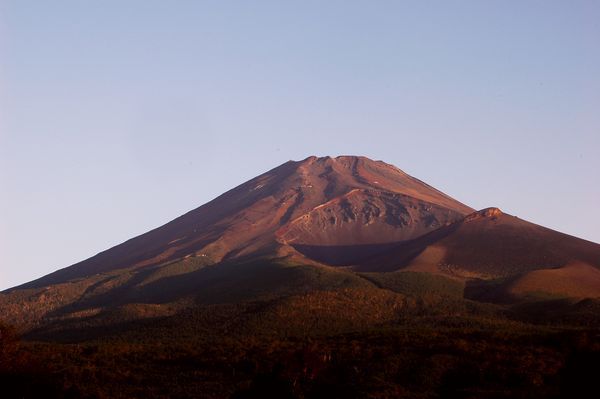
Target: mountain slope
{"x":326,"y":200}
{"x":490,"y":244}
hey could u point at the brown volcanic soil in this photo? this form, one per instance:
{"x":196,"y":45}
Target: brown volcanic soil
{"x":490,"y":244}
{"x":573,"y":280}
{"x":318,"y":201}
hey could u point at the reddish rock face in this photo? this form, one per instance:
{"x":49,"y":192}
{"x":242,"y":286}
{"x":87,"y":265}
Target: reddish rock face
{"x":294,"y":209}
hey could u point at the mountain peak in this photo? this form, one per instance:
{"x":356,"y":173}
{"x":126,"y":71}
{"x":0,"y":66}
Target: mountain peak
{"x":491,"y":212}
{"x":339,"y":158}
{"x":351,"y":163}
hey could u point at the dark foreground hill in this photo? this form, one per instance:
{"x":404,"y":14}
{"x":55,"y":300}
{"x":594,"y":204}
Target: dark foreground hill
{"x":328,"y":277}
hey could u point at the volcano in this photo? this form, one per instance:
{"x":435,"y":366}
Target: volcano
{"x":294,"y":209}
{"x":320,"y":224}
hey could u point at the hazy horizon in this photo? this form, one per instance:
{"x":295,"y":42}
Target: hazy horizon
{"x":117,"y":117}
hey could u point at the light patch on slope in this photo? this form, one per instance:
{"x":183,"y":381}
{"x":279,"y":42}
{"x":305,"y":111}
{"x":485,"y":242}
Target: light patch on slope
{"x":576,"y":279}
{"x":428,"y":260}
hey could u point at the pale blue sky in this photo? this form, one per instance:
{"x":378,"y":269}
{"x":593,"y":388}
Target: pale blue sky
{"x":117,"y":116}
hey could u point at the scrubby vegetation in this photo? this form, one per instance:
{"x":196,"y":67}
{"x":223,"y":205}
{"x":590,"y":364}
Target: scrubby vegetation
{"x":295,"y":331}
{"x":430,"y":357}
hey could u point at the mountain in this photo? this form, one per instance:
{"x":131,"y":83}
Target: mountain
{"x":349,"y":201}
{"x":327,"y":277}
{"x":320,"y":224}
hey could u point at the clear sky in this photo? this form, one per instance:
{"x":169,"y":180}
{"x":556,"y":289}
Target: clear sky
{"x":117,"y":116}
